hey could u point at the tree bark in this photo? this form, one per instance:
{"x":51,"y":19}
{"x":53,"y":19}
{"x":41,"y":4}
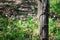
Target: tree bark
{"x":43,"y":9}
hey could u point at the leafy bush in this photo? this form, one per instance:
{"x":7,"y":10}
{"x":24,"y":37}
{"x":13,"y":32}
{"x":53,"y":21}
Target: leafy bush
{"x":18,"y":29}
{"x":54,"y":6}
{"x":53,"y":26}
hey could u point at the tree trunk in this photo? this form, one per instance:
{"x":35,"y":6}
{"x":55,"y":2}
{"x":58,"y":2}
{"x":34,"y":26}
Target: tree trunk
{"x":43,"y":9}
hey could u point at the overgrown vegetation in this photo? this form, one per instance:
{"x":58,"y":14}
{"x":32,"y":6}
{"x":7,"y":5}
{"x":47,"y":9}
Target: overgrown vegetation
{"x":16,"y":21}
{"x":54,"y":25}
{"x":18,"y":29}
{"x":18,"y":24}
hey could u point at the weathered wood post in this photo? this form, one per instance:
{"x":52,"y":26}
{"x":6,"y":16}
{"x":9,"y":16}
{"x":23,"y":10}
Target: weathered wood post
{"x":43,"y":18}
